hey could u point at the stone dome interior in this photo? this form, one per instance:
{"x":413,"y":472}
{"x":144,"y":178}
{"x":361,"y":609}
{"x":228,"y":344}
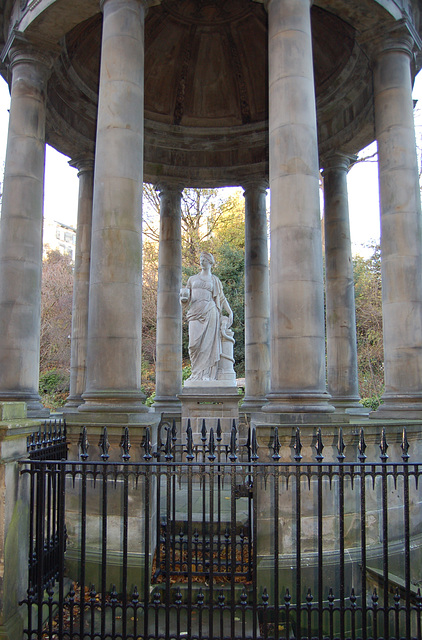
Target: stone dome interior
{"x":206,"y":74}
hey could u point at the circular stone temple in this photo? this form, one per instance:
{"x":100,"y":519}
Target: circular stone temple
{"x":213,"y":93}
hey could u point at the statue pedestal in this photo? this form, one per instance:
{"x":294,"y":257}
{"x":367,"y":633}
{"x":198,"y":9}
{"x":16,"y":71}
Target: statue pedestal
{"x":209,"y":401}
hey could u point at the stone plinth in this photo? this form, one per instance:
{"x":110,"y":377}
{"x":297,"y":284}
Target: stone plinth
{"x":14,"y":517}
{"x":210,"y":403}
{"x":307,"y":502}
{"x":92,"y":500}
{"x":95,"y":421}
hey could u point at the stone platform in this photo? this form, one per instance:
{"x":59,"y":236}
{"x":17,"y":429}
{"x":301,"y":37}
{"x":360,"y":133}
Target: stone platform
{"x":210,"y":403}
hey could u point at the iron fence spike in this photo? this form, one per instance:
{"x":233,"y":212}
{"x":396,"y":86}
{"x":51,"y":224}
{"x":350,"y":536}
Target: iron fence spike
{"x":84,"y":444}
{"x":340,"y":446}
{"x":168,"y":448}
{"x":219,"y":432}
{"x":383,"y":446}
{"x":104,"y":445}
{"x":233,"y":445}
{"x":203,"y":431}
{"x":254,"y":447}
{"x":405,"y":445}
{"x":362,"y":445}
{"x":319,"y":446}
{"x":211,"y":446}
{"x":147,"y":445}
{"x":125,"y":445}
{"x":189,"y":447}
{"x":298,"y":446}
{"x":276,"y":445}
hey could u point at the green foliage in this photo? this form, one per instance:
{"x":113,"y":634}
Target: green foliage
{"x":148,"y":377}
{"x":368,"y":300}
{"x":150,"y":400}
{"x":54,"y":388}
{"x":186,"y":372}
{"x":371,"y":403}
{"x":230,"y":268}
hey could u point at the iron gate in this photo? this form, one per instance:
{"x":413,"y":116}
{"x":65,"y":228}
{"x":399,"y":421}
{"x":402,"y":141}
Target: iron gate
{"x":207,"y":539}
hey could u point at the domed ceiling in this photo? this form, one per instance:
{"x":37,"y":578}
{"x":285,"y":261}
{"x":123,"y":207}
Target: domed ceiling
{"x":206,"y":73}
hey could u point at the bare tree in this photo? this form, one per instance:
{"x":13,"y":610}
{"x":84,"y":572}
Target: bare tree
{"x":56,"y":311}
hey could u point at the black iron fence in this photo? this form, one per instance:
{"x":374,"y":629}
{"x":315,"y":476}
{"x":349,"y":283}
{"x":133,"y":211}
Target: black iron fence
{"x":49,"y":443}
{"x":211,"y":538}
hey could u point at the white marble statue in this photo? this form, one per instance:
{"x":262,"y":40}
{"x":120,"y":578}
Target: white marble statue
{"x":204,"y":293}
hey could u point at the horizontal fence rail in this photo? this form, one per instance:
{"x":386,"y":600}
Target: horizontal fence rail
{"x":207,"y":536}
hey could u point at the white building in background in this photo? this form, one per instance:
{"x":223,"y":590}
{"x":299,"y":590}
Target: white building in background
{"x":60,"y":236}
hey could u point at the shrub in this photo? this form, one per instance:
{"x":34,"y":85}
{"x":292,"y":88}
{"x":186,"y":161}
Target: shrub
{"x":54,"y":388}
{"x":371,"y":403}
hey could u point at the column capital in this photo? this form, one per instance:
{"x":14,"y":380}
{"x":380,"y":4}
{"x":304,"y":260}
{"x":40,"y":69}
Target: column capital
{"x":164,"y":188}
{"x":267,"y":3}
{"x":23,"y":53}
{"x":337,"y":160}
{"x":145,"y":3}
{"x":83,"y":163}
{"x":402,"y":37}
{"x":255,"y":184}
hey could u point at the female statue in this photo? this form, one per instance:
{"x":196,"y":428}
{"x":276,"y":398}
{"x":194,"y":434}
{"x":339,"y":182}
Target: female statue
{"x":204,"y":291}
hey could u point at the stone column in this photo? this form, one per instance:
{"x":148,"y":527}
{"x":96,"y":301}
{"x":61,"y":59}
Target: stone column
{"x":400,"y":202}
{"x":296,"y":274}
{"x":85,"y":166}
{"x":169,"y":309}
{"x":21,"y":231}
{"x":342,"y":367}
{"x":115,"y":291}
{"x":257,"y":298}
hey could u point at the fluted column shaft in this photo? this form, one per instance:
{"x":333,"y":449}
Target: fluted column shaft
{"x":21,"y":231}
{"x":296,"y":276}
{"x":78,"y":352}
{"x":257,"y":299}
{"x":115,"y":290}
{"x":342,"y":368}
{"x":169,"y":310}
{"x":401,"y":261}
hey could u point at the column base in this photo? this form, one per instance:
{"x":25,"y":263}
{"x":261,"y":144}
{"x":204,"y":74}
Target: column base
{"x":168,"y":405}
{"x":298,"y":403}
{"x":252,"y":404}
{"x":349,"y":405}
{"x":12,"y":628}
{"x":34,"y":406}
{"x":95,"y":421}
{"x":113,"y":402}
{"x":408,"y":407}
{"x":72,"y":403}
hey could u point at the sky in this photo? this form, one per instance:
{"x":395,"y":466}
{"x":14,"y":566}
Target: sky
{"x":61,"y":182}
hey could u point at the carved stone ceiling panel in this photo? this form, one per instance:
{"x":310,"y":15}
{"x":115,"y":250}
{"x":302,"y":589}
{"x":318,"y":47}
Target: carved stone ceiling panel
{"x":206,"y":67}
